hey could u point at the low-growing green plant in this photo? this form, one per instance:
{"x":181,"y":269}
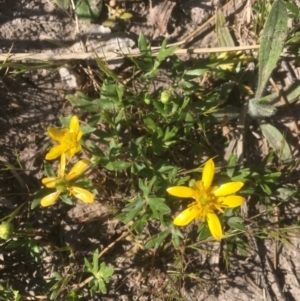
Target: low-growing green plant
{"x":101,"y":274}
{"x":156,"y":134}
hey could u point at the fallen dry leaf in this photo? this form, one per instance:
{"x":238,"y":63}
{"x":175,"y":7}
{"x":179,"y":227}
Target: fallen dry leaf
{"x":160,"y":14}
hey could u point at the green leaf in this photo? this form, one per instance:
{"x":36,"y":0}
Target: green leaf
{"x":66,"y":199}
{"x":109,"y":22}
{"x":131,"y":211}
{"x":62,"y":4}
{"x":203,"y":231}
{"x":223,"y":34}
{"x":94,"y":120}
{"x":293,"y":10}
{"x":150,"y":75}
{"x":242,"y":246}
{"x":258,"y":108}
{"x":87,"y":129}
{"x":186,"y":85}
{"x":48,"y":169}
{"x":232,"y":164}
{"x":165,"y":52}
{"x":159,"y":107}
{"x":106,"y":103}
{"x":236,"y":223}
{"x":156,"y":240}
{"x":95,"y":261}
{"x":102,"y":286}
{"x":277,"y":142}
{"x":150,"y":124}
{"x":182,"y":181}
{"x":57,"y":276}
{"x":271,"y":45}
{"x":147,"y":186}
{"x":142,"y":65}
{"x":65,"y":121}
{"x":125,"y":16}
{"x":120,"y":117}
{"x":176,"y":236}
{"x":88,"y":10}
{"x":103,"y":66}
{"x":146,"y":63}
{"x":118,"y":165}
{"x":101,"y":276}
{"x":160,"y":167}
{"x":106,"y":271}
{"x":83,"y":102}
{"x":143,"y":46}
{"x":196,"y":72}
{"x":272,"y":177}
{"x":74,"y":296}
{"x":286,"y":193}
{"x":158,"y":205}
{"x":139,"y":224}
{"x":88,"y":265}
{"x":292,"y":93}
{"x":144,"y":187}
{"x":120,"y":91}
{"x":38,"y":195}
{"x":169,"y":134}
{"x":265,"y":188}
{"x":54,"y":295}
{"x":93,"y":287}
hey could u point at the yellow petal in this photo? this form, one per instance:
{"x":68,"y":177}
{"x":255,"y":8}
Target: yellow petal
{"x":50,"y":199}
{"x":214,"y":226}
{"x":232,"y":201}
{"x":79,"y":135}
{"x":55,"y":152}
{"x":74,"y":124}
{"x":181,"y":191}
{"x":228,"y":188}
{"x":49,"y":182}
{"x":82,"y":194}
{"x":186,"y":216}
{"x":208,"y":173}
{"x":56,"y":134}
{"x":62,"y":165}
{"x":78,"y":148}
{"x":74,"y":150}
{"x":78,"y":169}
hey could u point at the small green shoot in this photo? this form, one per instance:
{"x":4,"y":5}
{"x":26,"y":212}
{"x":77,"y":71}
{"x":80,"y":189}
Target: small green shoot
{"x":101,"y":274}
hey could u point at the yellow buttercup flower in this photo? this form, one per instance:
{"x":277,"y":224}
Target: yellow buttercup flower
{"x":62,"y":183}
{"x":68,"y":140}
{"x":207,"y":199}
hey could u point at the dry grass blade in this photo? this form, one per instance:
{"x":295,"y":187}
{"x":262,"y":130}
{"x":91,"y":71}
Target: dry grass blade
{"x":227,"y":9}
{"x":110,"y":56}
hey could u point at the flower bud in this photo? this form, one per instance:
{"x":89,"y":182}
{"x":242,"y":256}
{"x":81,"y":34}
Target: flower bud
{"x":165,"y":96}
{"x":6,"y":230}
{"x":147,"y":99}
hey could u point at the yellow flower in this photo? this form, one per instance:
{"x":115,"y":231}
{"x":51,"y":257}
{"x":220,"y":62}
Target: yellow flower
{"x":207,"y":199}
{"x":68,"y":140}
{"x":62,"y":183}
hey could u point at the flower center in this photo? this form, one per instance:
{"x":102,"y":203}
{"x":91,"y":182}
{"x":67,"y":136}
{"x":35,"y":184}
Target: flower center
{"x":61,"y":184}
{"x":204,"y":198}
{"x":70,"y":140}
